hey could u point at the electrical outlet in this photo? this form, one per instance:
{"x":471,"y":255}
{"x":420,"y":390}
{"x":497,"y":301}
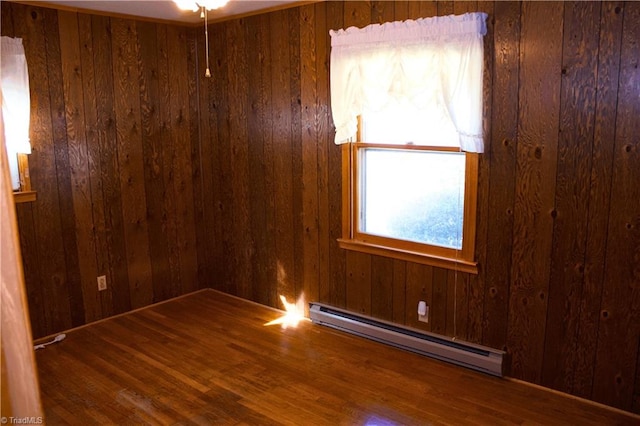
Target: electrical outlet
{"x":102,"y":282}
{"x":423,"y":311}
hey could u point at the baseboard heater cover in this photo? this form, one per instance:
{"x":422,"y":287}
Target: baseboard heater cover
{"x":476,"y":357}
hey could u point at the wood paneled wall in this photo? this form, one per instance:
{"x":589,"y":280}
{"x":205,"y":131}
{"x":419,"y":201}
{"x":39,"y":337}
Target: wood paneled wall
{"x":114,"y":164}
{"x":167,"y":181}
{"x":558,"y":241}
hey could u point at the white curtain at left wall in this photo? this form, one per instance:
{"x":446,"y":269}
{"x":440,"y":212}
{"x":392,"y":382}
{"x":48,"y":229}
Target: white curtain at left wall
{"x":16,"y":103}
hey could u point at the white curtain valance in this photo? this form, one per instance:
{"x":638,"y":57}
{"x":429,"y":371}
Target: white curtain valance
{"x":432,"y":62}
{"x":16,"y":102}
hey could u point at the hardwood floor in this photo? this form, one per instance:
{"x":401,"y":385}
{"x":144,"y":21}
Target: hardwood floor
{"x":207,"y":358}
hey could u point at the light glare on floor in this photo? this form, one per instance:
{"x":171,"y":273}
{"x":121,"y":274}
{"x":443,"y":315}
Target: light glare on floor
{"x":294,"y":313}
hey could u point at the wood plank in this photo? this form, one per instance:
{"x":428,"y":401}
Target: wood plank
{"x":182,"y":159}
{"x":620,"y":316}
{"x":30,"y":261}
{"x":196,"y":130}
{"x":399,"y":291}
{"x":48,"y":230}
{"x":478,"y":282}
{"x":419,"y":284}
{"x":358,"y":282}
{"x":309,"y":139}
{"x":357,"y":14}
{"x":222,"y":166}
{"x":151,"y":111}
{"x":6,"y":20}
{"x":298,"y":383}
{"x":535,"y":186}
{"x":460,"y":283}
{"x":72,"y":282}
{"x":20,"y":392}
{"x":324,"y":144}
{"x":382,"y":282}
{"x":116,"y":299}
{"x":575,"y":147}
{"x":337,"y":256}
{"x":502,"y":177}
{"x":239,"y":161}
{"x":200,"y":134}
{"x":256,"y":29}
{"x":130,"y":159}
{"x":283,"y":154}
{"x":445,"y":8}
{"x":401,"y":10}
{"x":462,"y":7}
{"x":296,"y":147}
{"x":383,"y":11}
{"x":599,"y":195}
{"x":635,"y":404}
{"x":422,"y":9}
{"x":76,"y":125}
{"x":167,"y":155}
{"x":438,"y":310}
{"x":92,"y":135}
{"x":358,"y":265}
{"x":268,"y":155}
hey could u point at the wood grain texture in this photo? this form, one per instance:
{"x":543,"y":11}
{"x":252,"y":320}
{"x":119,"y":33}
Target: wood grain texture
{"x":151,"y":120}
{"x":237,"y":182}
{"x":477,"y":283}
{"x":382,"y":282}
{"x":221,"y":109}
{"x":536,"y":158}
{"x":21,"y":396}
{"x":239,"y":161}
{"x":90,"y":219}
{"x":76,"y":126}
{"x":130,"y":160}
{"x":207,"y":358}
{"x":260,"y":157}
{"x":324,"y":144}
{"x":337,"y":257}
{"x":182,"y":160}
{"x":283,"y":149}
{"x":385,"y":11}
{"x":419,"y":285}
{"x":438,"y":311}
{"x":399,"y":291}
{"x":599,"y":199}
{"x":52,"y":273}
{"x":620,"y":314}
{"x":72,"y":281}
{"x":575,"y":147}
{"x":94,"y":167}
{"x":504,"y":121}
{"x":310,"y":120}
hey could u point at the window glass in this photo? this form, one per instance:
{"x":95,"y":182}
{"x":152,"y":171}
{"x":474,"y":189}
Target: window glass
{"x":413,"y":195}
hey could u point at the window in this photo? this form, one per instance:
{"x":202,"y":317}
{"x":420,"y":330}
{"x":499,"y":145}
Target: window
{"x":16,"y":112}
{"x":407,"y":103}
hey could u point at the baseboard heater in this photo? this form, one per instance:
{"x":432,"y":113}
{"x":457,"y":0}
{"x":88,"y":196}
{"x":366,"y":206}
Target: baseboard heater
{"x":476,"y":357}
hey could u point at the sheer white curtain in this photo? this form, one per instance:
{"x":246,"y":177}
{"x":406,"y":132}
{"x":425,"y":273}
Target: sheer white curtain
{"x":16,"y":104}
{"x":431,"y":63}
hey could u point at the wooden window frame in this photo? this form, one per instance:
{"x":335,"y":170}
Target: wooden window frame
{"x":25,"y":194}
{"x":353,"y":239}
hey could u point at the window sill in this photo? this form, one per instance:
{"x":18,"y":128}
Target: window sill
{"x":410,"y":256}
{"x":24,"y":196}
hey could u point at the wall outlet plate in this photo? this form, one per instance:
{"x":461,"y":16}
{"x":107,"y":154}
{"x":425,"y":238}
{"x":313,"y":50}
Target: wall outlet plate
{"x":102,"y":282}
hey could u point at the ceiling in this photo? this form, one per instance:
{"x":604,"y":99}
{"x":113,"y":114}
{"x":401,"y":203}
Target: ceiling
{"x":167,"y":9}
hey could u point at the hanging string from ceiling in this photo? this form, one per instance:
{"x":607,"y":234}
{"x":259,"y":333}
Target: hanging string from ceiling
{"x":204,"y":6}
